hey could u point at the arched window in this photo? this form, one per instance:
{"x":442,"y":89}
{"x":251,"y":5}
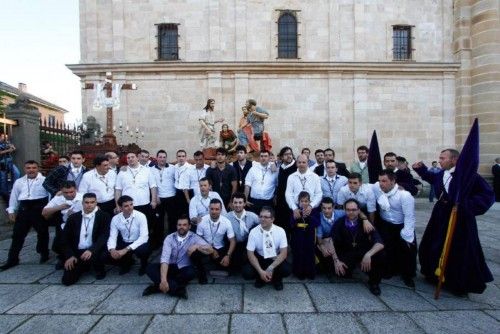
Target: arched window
{"x":287,"y":36}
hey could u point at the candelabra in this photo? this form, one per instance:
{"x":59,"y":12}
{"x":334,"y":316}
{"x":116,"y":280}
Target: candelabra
{"x":128,"y":133}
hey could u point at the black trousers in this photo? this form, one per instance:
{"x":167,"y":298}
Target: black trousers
{"x":239,"y":257}
{"x":259,"y":203}
{"x":29,"y":215}
{"x":177,"y":277}
{"x":155,"y":237}
{"x":70,"y":277}
{"x":283,"y":270}
{"x":167,"y":206}
{"x":353,"y":258}
{"x":142,"y":252}
{"x":283,"y":216}
{"x":401,"y":257}
{"x":181,"y":205}
{"x":108,"y":207}
{"x":201,"y":261}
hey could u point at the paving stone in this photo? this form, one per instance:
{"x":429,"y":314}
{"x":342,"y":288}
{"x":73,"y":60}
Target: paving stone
{"x":5,"y":244}
{"x":495,"y":314}
{"x":322,"y":323}
{"x":293,"y":298}
{"x":122,"y":324}
{"x":14,"y":294}
{"x":55,"y":324}
{"x":9,"y":322}
{"x":450,"y":302}
{"x":490,"y":296}
{"x":350,"y":297}
{"x":257,"y":323}
{"x":75,"y":299}
{"x":203,"y":323}
{"x":26,"y":273}
{"x":455,"y":322}
{"x":128,"y":299}
{"x":404,"y":299}
{"x":389,"y":322}
{"x":131,"y":277}
{"x":214,"y":299}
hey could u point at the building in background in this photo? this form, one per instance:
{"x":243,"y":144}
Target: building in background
{"x":328,"y":72}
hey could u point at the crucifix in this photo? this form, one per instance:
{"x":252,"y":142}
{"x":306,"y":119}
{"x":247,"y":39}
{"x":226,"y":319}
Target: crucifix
{"x":109,"y":101}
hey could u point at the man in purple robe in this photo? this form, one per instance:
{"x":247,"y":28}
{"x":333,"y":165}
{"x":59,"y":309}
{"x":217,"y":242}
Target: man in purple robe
{"x":466,"y":270}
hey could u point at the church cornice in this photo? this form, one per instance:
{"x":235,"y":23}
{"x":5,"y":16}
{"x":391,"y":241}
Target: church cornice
{"x":288,"y":67}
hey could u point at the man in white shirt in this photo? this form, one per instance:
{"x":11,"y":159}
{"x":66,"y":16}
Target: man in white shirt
{"x":199,"y":204}
{"x":397,"y":226}
{"x":164,"y":175}
{"x":27,"y":199}
{"x":260,"y":183}
{"x":197,"y":173}
{"x":58,"y":211}
{"x":242,"y":222}
{"x":138,"y":182}
{"x":128,"y":235}
{"x":332,"y":182}
{"x":84,"y":240}
{"x":214,"y":228}
{"x":267,"y":251}
{"x":303,"y":180}
{"x":362,"y":193}
{"x":101,"y":181}
{"x":182,"y":171}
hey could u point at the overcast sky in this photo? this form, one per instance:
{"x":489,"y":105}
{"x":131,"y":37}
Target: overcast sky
{"x":38,"y":37}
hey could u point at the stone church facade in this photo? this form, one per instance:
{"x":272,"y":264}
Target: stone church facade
{"x":328,"y":71}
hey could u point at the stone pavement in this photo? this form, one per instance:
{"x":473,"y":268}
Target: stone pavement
{"x":33,"y":300}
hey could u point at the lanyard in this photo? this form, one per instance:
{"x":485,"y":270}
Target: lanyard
{"x":134,"y":175}
{"x":102,"y":178}
{"x":29,"y":185}
{"x":129,"y":226}
{"x":331,"y":185}
{"x":86,"y":223}
{"x":264,"y":172}
{"x":303,"y":182}
{"x":212,"y":233}
{"x":205,"y":206}
{"x":75,"y":178}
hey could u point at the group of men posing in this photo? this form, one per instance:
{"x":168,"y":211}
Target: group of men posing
{"x":241,"y":216}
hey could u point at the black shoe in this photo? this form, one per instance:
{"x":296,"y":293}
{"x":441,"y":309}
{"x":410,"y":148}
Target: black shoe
{"x":259,"y":283}
{"x":124,"y":270}
{"x":9,"y":265}
{"x":182,"y":293}
{"x":202,"y":278}
{"x":374,"y":288}
{"x":100,"y":275}
{"x":44,"y":258}
{"x":278,"y":286}
{"x":59,"y":265}
{"x":151,"y":290}
{"x":409,"y":282}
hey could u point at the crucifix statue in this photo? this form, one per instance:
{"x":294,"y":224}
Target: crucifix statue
{"x":111,"y":99}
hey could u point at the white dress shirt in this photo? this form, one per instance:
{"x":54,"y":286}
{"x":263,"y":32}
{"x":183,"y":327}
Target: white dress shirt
{"x":262,"y":181}
{"x":75,"y":205}
{"x":26,"y":189}
{"x":195,"y":174}
{"x":255,"y":241}
{"x":330,"y":186}
{"x":214,"y":232}
{"x":133,"y":229}
{"x":401,"y":210}
{"x":86,"y":230}
{"x":164,"y":178}
{"x":198,"y":206}
{"x":298,"y":182}
{"x":101,"y":185}
{"x":364,"y":196}
{"x":136,"y":183}
{"x":447,"y":177}
{"x":182,"y":176}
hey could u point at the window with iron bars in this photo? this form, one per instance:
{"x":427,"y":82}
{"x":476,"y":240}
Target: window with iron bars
{"x":168,"y":38}
{"x":287,"y":35}
{"x":402,"y":42}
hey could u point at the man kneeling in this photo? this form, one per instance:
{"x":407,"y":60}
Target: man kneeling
{"x":267,"y":252}
{"x":176,"y":270}
{"x":83,"y":240}
{"x":352,"y":245}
